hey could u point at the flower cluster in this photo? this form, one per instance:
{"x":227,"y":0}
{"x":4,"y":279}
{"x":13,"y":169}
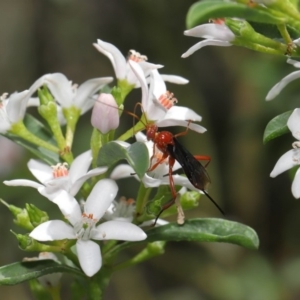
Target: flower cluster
{"x":95,"y":215}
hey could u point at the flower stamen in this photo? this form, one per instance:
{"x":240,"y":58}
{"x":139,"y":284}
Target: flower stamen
{"x":3,"y":96}
{"x":220,"y":21}
{"x":60,"y":170}
{"x":167,"y":100}
{"x":136,"y":56}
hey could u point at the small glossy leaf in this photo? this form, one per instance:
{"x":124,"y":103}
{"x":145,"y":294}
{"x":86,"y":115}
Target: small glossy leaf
{"x":200,"y":230}
{"x":202,"y":11}
{"x":38,"y":129}
{"x":277,"y":127}
{"x":22,"y":271}
{"x":206,"y":230}
{"x":137,"y":156}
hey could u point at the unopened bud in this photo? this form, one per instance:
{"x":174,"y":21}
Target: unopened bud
{"x":45,"y":96}
{"x":27,"y":243}
{"x":36,"y":215}
{"x":105,"y":114}
{"x":21,"y":217}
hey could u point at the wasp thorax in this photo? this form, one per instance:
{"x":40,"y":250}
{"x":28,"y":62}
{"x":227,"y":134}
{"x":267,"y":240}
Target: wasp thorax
{"x":136,"y":56}
{"x":60,"y":170}
{"x":167,"y":100}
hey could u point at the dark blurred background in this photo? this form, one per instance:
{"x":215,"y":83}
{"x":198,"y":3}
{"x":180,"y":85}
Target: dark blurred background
{"x":227,"y":87}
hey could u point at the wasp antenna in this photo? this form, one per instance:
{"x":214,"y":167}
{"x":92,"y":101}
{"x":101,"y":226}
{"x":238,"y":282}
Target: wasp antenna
{"x":155,"y":221}
{"x":214,"y":202}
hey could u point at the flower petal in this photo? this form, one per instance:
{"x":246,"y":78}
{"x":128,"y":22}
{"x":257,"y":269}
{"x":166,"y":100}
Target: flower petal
{"x":52,"y":231}
{"x":211,"y":31}
{"x":159,"y":222}
{"x":80,"y":165}
{"x":89,"y":256}
{"x":192,"y":126}
{"x":182,"y":113}
{"x":78,"y":183}
{"x":39,"y":170}
{"x":61,"y":89}
{"x":16,"y":106}
{"x":137,"y":70}
{"x":69,"y":207}
{"x":285,"y":162}
{"x":296,"y":185}
{"x":277,"y":88}
{"x":174,"y":79}
{"x":86,"y":90}
{"x":152,"y":182}
{"x":23,"y":182}
{"x":115,"y":56}
{"x":119,"y":230}
{"x":209,"y":42}
{"x":100,"y":198}
{"x":293,"y":62}
{"x":121,"y":171}
{"x":293,"y":123}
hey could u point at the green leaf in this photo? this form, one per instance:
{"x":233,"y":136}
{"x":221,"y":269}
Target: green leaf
{"x":202,"y":11}
{"x":38,"y":129}
{"x":199,"y":230}
{"x":277,"y":127}
{"x":206,"y":230}
{"x":272,"y":32}
{"x":137,"y":156}
{"x":22,"y":271}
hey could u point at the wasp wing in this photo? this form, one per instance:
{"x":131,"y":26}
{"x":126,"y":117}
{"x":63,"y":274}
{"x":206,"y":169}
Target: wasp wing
{"x":193,"y":169}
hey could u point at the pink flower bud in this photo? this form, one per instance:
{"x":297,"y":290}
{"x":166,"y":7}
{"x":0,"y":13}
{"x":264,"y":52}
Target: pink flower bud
{"x":105,"y":114}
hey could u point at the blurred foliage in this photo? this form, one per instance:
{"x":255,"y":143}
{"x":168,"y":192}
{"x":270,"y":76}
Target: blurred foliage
{"x":227,"y":87}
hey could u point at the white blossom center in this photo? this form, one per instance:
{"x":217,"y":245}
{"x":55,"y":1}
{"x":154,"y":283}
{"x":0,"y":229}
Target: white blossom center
{"x":83,"y":229}
{"x":136,"y":56}
{"x":167,"y":100}
{"x":60,"y":170}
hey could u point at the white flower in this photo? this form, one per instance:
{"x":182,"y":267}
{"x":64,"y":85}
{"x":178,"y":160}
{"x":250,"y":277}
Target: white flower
{"x":120,"y":63}
{"x":57,"y":178}
{"x":277,"y":88}
{"x":83,"y":225}
{"x":12,"y":109}
{"x":162,"y":115}
{"x":291,"y":158}
{"x":68,"y":95}
{"x":215,"y":35}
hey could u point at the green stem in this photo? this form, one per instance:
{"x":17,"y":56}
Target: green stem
{"x":49,"y":112}
{"x":142,"y":199}
{"x":152,"y":250}
{"x":124,"y":88}
{"x":72,"y":115}
{"x":260,"y":48}
{"x":132,"y":131}
{"x":20,"y":130}
{"x":96,"y":144}
{"x":284,"y":33}
{"x":55,"y":292}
